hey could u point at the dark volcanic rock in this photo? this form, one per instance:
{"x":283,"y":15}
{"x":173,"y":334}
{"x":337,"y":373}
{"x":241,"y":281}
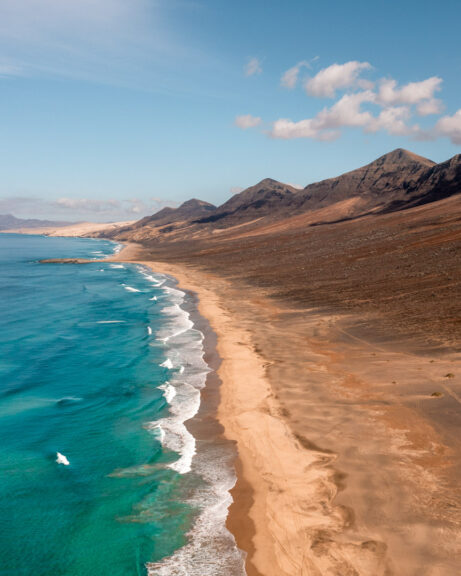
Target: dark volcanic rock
{"x":263,"y":199}
{"x":187,"y":211}
{"x":379,"y":184}
{"x":396,"y":181}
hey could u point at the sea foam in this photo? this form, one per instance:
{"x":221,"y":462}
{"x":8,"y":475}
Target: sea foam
{"x":211,"y":548}
{"x":169,"y":391}
{"x":61,"y":459}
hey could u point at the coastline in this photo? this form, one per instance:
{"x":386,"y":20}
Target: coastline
{"x":348,"y":447}
{"x":212,"y":454}
{"x":304,"y":502}
{"x":243,"y":418}
{"x":209,"y":316}
{"x":278,"y":480}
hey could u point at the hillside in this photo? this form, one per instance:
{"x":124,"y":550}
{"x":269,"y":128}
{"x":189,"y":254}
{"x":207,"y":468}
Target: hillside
{"x":396,"y":181}
{"x":164,"y":221}
{"x":263,"y":199}
{"x":381,"y":239}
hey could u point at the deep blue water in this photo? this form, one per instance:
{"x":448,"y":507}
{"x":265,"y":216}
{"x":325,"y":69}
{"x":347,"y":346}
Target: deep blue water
{"x":80,"y":375}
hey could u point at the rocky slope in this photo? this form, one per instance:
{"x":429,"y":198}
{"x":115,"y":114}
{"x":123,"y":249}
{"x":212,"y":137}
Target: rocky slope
{"x":190,"y":210}
{"x":264,"y":199}
{"x":396,"y":181}
{"x":164,"y":221}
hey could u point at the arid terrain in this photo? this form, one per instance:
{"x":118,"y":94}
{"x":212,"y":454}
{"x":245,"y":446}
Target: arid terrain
{"x":337,"y":311}
{"x":398,"y":268}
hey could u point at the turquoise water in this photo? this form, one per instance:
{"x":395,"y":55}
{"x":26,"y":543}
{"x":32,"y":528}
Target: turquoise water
{"x":81,"y":354}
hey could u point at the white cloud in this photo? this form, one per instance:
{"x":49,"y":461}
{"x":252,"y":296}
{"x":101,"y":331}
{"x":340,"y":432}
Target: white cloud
{"x":253,"y":67}
{"x":290,"y":77}
{"x":337,"y":77}
{"x":286,"y":129}
{"x":247,"y":121}
{"x":394,"y":121}
{"x":326,"y":124}
{"x":85,"y":204}
{"x":411,"y":93}
{"x":347,"y":111}
{"x":450,"y":127}
{"x":429,"y":107}
{"x":386,"y":107}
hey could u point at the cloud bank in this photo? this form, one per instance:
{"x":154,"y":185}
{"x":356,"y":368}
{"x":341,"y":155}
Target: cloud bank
{"x":73,"y":209}
{"x":381,"y":106}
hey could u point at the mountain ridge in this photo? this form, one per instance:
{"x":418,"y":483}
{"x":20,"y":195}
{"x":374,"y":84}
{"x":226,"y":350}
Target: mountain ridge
{"x":397,"y":180}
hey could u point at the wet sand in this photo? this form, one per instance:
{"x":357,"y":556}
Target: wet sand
{"x":348,"y":449}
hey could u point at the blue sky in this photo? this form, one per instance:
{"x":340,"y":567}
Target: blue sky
{"x":111,"y":109}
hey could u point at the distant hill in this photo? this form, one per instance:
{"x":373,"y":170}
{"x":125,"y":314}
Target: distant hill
{"x":10,"y":222}
{"x":162,"y":221}
{"x":189,"y":210}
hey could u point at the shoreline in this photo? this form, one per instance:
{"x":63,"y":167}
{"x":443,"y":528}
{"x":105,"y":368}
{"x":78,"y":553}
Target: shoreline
{"x":348,"y":452}
{"x":212,"y":458}
{"x":238,"y":521}
{"x":273,"y":547}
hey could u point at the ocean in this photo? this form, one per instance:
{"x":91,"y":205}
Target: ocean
{"x":100,"y":366}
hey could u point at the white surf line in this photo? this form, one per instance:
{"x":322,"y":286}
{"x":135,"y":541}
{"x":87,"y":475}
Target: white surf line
{"x":169,"y":391}
{"x":158,"y":432}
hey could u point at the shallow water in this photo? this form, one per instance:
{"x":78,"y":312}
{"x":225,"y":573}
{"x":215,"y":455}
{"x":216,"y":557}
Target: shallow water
{"x":101,"y":364}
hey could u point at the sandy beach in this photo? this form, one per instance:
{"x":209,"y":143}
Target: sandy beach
{"x":348,"y":454}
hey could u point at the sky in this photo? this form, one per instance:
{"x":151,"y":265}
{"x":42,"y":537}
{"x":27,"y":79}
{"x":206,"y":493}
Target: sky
{"x":110,"y":110}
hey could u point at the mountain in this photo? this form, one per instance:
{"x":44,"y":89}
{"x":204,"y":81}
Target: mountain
{"x":440,"y":181}
{"x":396,"y":181}
{"x":187,"y":211}
{"x":262,"y":199}
{"x":393,"y":179}
{"x":163,"y":221}
{"x":10,"y":222}
{"x":375,"y":186}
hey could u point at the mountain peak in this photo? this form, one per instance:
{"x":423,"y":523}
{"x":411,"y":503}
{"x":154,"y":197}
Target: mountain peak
{"x":267,"y":182}
{"x":196,"y":203}
{"x":400,"y":156}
